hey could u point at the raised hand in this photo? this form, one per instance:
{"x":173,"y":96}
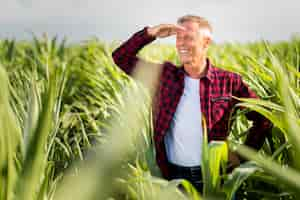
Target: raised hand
{"x":164,"y":30}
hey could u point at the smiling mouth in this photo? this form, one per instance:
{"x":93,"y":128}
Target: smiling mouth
{"x":184,"y":52}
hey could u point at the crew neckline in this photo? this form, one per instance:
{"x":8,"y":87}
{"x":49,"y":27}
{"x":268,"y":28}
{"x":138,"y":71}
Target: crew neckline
{"x":190,"y":78}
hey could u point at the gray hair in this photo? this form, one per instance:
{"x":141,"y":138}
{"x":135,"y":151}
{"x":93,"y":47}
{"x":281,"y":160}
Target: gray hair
{"x":204,"y":26}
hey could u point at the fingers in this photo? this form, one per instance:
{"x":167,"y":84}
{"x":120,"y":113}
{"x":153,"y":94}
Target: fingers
{"x":173,"y":28}
{"x":178,"y":27}
{"x":165,"y":30}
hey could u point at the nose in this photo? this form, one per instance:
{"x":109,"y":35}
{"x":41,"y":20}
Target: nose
{"x":179,"y":41}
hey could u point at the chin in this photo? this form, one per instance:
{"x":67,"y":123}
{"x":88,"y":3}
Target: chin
{"x":185,"y":61}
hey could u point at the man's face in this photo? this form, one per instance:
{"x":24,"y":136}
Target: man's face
{"x":189,"y":43}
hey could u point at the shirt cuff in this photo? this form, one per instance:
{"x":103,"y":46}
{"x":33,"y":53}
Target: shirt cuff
{"x":146,"y":36}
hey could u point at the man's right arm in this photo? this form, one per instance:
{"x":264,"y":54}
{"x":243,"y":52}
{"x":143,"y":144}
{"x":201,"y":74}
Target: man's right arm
{"x":125,"y":56}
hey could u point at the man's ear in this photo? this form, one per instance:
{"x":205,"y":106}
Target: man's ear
{"x":206,"y":42}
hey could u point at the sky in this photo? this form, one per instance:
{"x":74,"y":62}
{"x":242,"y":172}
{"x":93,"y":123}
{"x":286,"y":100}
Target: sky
{"x":109,"y":20}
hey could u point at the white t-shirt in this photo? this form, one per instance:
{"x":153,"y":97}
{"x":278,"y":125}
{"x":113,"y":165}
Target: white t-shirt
{"x":183,"y":140}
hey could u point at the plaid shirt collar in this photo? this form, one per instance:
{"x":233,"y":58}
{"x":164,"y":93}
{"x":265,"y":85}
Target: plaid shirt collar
{"x":210,"y":75}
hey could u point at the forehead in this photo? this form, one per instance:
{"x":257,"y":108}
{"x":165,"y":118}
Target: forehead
{"x":190,"y":25}
{"x":191,"y":28}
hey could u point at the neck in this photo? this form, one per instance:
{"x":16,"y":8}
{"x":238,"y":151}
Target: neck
{"x":196,"y":70}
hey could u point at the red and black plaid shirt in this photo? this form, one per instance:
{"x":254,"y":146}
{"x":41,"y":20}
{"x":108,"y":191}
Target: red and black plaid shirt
{"x":216,"y":91}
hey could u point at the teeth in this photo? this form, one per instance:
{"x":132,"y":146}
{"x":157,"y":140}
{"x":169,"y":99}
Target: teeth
{"x":183,"y":51}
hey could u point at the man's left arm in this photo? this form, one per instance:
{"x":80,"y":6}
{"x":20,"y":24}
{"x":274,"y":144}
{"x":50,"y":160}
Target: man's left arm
{"x":261,"y":126}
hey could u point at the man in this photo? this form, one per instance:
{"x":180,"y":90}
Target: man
{"x":186,"y":94}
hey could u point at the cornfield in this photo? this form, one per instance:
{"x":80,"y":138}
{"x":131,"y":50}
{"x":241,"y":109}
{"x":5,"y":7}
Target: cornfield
{"x":74,"y":126}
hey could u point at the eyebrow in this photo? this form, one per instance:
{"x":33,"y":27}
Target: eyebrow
{"x":187,"y":36}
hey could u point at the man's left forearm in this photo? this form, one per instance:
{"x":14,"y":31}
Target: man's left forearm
{"x":258,"y":132}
